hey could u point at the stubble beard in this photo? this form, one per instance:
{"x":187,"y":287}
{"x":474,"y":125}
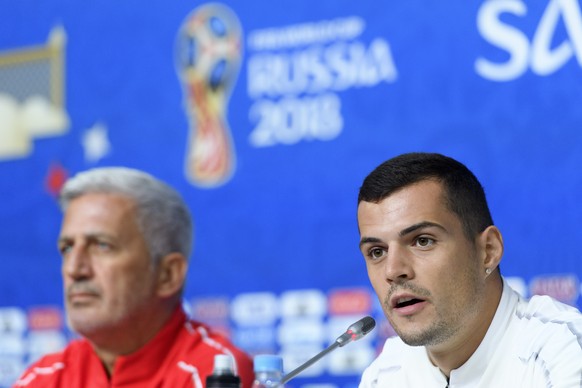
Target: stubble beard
{"x":437,"y":332}
{"x":99,"y":319}
{"x":446,"y":323}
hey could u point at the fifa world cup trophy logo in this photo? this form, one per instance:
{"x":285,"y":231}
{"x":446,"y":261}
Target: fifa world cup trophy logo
{"x":208,"y":61}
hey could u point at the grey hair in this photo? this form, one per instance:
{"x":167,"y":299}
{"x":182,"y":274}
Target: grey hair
{"x":162,"y":215}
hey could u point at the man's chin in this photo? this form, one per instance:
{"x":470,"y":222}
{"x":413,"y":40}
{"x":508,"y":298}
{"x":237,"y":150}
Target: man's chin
{"x":413,"y":336}
{"x":431,"y":336}
{"x":83,"y":323}
{"x":414,"y":340}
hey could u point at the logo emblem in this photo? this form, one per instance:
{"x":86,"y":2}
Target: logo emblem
{"x":32,"y":101}
{"x":208,"y":61}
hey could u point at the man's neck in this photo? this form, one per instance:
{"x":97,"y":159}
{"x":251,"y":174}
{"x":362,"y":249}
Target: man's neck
{"x":455,"y":353}
{"x":125,"y":341}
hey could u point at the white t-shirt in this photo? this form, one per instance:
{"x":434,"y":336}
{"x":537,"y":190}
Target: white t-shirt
{"x":535,"y":343}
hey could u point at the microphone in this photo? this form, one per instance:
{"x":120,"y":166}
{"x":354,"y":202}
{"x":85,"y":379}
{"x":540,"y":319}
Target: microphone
{"x":356,"y":331}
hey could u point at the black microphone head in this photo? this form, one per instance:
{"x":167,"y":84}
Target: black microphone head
{"x":363,"y":326}
{"x":356,"y":331}
{"x":368,"y":323}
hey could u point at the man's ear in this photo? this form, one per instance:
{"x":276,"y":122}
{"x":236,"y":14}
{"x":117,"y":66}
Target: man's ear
{"x":491,"y":243}
{"x":171,"y":274}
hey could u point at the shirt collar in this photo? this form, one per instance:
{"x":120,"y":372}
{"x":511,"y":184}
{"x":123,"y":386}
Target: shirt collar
{"x":476,"y":365}
{"x":144,"y":363}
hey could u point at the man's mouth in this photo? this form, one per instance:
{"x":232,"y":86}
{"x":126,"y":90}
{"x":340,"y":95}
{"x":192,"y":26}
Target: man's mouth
{"x":407,"y":304}
{"x":407,"y":301}
{"x":81,"y":297}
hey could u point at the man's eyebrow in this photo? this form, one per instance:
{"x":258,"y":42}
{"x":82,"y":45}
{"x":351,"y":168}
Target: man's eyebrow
{"x":87,"y":236}
{"x":63,"y":240}
{"x":420,"y":225}
{"x":366,"y":240}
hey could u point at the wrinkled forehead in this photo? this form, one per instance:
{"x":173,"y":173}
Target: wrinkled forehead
{"x":103,"y":210}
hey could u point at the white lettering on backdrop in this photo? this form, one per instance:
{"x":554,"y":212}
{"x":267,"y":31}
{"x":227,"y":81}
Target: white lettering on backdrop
{"x":537,"y":55}
{"x":294,"y":75}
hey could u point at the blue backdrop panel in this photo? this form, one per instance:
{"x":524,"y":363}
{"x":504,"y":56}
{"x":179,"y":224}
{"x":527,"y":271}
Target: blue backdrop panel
{"x":267,"y":117}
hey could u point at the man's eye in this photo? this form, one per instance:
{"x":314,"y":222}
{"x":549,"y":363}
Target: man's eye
{"x":64,"y":249}
{"x":424,"y":241}
{"x":103,"y":246}
{"x":376,"y":253}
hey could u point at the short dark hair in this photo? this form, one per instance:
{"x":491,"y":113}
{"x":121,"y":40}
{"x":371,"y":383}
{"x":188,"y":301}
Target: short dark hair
{"x":464,"y":195}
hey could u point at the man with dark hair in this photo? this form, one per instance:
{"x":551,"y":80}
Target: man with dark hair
{"x":432,"y":253}
{"x":125,"y":241}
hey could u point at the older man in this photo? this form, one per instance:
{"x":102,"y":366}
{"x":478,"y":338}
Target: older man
{"x":125,"y":242}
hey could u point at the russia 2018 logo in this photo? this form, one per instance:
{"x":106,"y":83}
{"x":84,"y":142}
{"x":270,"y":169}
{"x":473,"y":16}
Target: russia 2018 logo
{"x":208,"y":57}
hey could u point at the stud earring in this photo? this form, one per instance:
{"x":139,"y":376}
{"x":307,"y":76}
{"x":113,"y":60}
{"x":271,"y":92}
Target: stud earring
{"x":487,"y":271}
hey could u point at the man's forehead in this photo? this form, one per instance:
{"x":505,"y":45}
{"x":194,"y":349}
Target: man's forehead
{"x":422,"y":204}
{"x":98,"y":214}
{"x":423,"y":193}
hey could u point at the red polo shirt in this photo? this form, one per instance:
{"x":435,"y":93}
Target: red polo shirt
{"x":180,"y":355}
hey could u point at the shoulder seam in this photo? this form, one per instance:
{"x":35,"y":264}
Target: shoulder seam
{"x":546,"y":320}
{"x":39,"y":371}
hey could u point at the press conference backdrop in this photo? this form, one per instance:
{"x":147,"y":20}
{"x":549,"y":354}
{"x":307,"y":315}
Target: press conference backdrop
{"x":266,"y":116}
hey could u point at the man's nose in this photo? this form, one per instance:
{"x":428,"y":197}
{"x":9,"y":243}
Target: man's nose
{"x":398,"y":264}
{"x":77,"y":263}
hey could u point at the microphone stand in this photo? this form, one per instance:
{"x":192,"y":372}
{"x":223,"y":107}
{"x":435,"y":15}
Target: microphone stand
{"x":311,"y":361}
{"x":354,"y":332}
